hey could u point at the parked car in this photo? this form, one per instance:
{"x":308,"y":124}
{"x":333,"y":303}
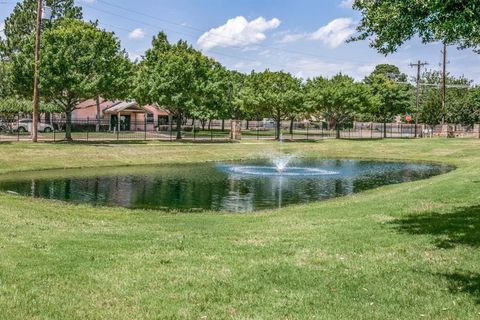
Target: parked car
{"x":3,"y":126}
{"x":25,"y":125}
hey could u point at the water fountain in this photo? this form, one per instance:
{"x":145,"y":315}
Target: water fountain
{"x":281,"y":167}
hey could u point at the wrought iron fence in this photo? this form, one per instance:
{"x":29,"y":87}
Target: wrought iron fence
{"x":195,"y":130}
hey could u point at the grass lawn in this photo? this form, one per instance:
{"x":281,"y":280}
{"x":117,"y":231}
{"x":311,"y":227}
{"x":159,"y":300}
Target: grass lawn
{"x":408,"y":251}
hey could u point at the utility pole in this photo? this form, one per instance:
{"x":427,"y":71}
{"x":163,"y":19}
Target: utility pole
{"x":38,"y":28}
{"x":444,"y":82}
{"x":419,"y":66}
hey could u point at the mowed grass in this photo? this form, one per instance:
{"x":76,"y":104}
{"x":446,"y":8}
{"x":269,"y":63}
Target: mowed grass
{"x":408,"y":251}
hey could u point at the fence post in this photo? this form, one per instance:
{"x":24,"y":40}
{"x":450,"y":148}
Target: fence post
{"x":145,"y":127}
{"x":171,"y":131}
{"x":88,"y":126}
{"x":18,"y":127}
{"x":54,"y":135}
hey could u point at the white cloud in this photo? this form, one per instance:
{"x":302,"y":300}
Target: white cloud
{"x":293,"y":37}
{"x":238,"y":32}
{"x":2,"y":26}
{"x":346,"y":3}
{"x":137,"y":33}
{"x":335,"y":33}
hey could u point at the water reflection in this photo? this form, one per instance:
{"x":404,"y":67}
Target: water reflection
{"x":210,"y":186}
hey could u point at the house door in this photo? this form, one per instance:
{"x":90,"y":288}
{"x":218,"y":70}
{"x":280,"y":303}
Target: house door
{"x":124,"y":122}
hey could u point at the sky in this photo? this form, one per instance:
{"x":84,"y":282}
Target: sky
{"x":304,"y":37}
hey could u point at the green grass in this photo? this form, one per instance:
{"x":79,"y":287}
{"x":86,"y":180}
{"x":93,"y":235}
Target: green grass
{"x":408,"y":251}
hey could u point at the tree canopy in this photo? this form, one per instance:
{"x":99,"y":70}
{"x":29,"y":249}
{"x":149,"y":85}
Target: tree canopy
{"x":276,"y":95}
{"x":391,"y":99}
{"x":20,"y":25}
{"x":337,"y":99}
{"x":173,"y":76}
{"x":389,"y":23}
{"x":388,"y":70}
{"x":78,"y":61}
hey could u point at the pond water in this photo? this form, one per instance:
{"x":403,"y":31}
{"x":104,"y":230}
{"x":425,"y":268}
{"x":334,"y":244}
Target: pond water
{"x":234,"y":187}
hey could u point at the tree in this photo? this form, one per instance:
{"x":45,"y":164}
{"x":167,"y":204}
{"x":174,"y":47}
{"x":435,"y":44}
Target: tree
{"x":20,"y":25}
{"x":389,"y":70}
{"x":391,"y":99}
{"x":277,"y":95}
{"x":217,"y":90}
{"x":390,"y":23}
{"x":245,"y":99}
{"x":337,"y":100}
{"x":471,"y":115}
{"x":6,"y":86}
{"x":172,"y":76}
{"x":459,"y":107}
{"x":78,"y":60}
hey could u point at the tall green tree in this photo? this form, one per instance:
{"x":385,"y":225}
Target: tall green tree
{"x":78,"y":61}
{"x":276,"y":95}
{"x":20,"y":24}
{"x":172,"y":76}
{"x":389,"y":23}
{"x":217,"y":90}
{"x":6,"y":86}
{"x":337,"y":100}
{"x":459,"y":105}
{"x":389,"y":70}
{"x":391,"y":99}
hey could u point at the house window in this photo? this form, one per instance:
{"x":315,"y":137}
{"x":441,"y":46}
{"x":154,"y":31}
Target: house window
{"x":149,"y":118}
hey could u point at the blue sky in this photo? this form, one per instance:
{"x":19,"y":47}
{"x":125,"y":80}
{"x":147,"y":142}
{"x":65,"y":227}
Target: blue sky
{"x":304,"y":37}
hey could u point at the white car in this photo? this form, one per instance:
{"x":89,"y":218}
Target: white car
{"x":25,"y":125}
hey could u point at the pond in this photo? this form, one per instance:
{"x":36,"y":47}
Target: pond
{"x":234,"y":187}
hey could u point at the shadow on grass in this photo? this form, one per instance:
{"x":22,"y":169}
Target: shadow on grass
{"x":460,"y":227}
{"x":464,"y":283}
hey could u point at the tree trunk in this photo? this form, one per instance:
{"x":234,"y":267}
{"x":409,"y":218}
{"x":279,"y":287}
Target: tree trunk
{"x":248,"y":124}
{"x":279,"y":129}
{"x":179,"y":127}
{"x":203,"y":122}
{"x":337,"y":129}
{"x":385,"y":127}
{"x":209,"y":125}
{"x":291,"y":125}
{"x":193,"y":122}
{"x":68,"y":125}
{"x":223,"y":125}
{"x":97,"y":127}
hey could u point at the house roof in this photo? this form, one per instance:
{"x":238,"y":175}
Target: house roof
{"x":156,"y":110}
{"x":130,"y":106}
{"x":92,"y":103}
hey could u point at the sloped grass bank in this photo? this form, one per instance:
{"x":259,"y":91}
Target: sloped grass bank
{"x":400,"y":251}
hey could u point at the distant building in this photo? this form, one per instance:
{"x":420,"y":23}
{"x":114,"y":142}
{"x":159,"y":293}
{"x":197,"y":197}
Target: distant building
{"x":119,"y":115}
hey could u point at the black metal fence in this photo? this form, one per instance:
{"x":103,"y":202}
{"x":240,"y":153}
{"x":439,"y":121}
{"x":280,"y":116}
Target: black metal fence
{"x":191,"y":130}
